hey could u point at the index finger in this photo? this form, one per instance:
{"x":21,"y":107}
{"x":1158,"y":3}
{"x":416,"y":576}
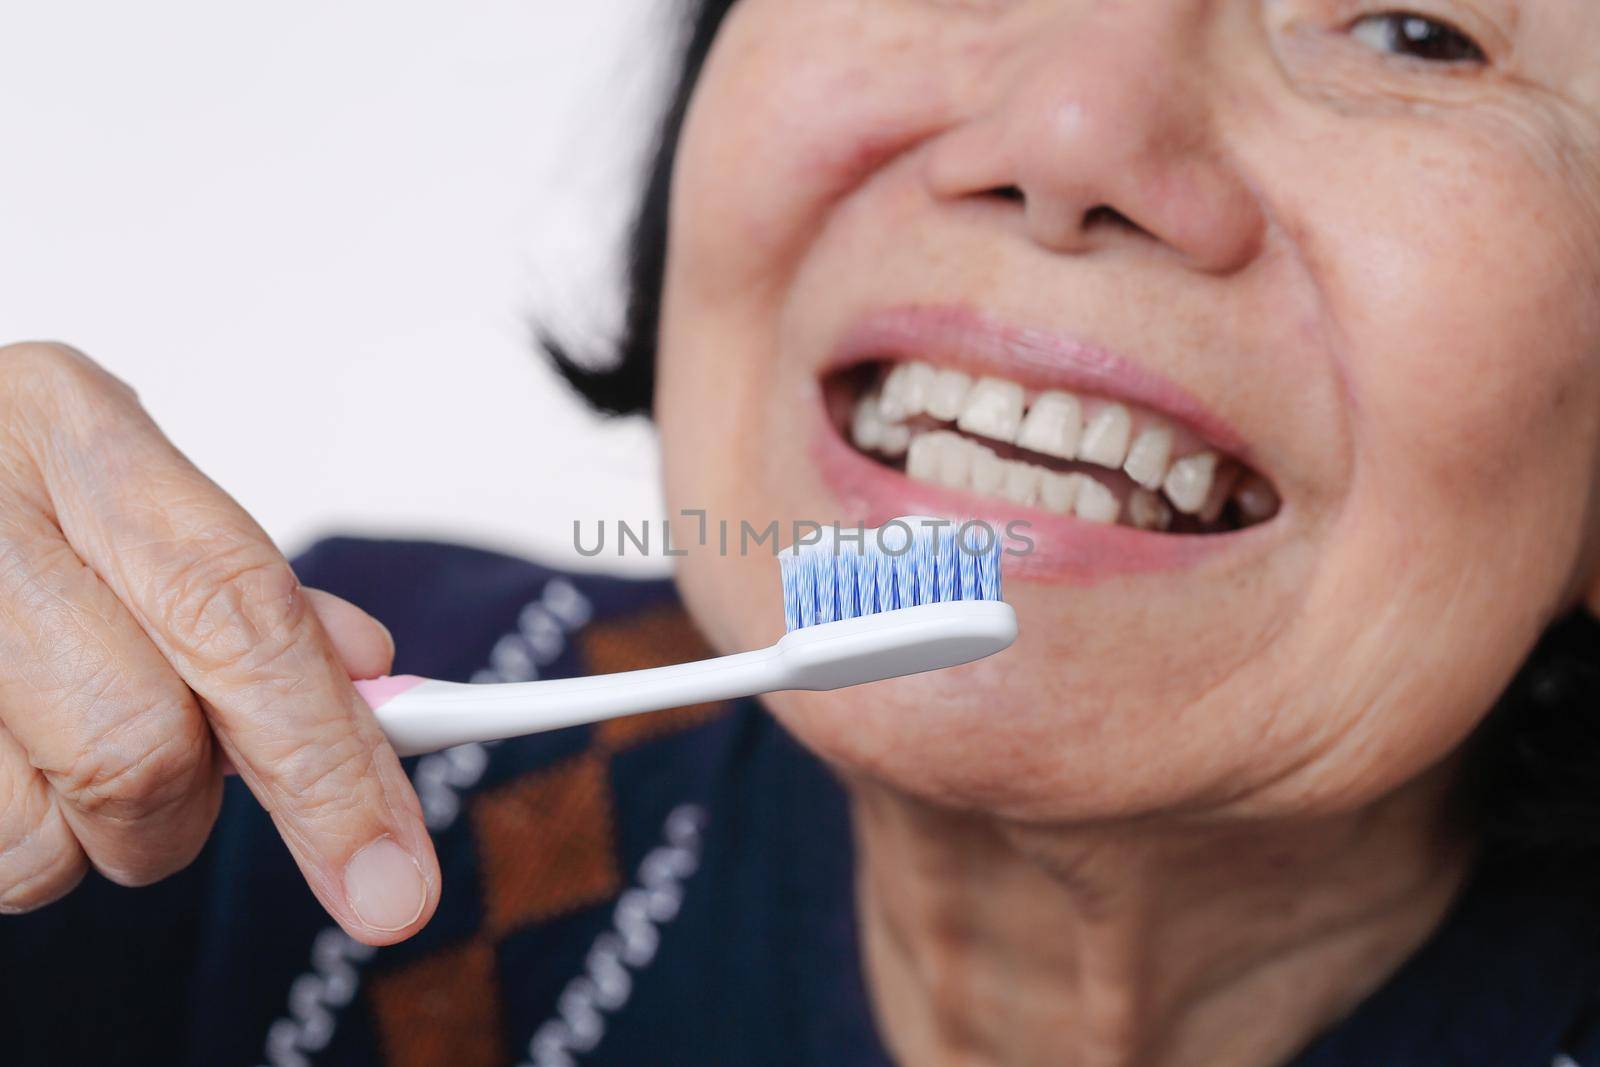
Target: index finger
{"x":225,"y":608}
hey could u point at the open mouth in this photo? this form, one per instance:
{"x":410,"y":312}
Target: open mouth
{"x":1098,"y":459}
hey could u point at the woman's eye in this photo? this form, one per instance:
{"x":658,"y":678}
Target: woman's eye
{"x":1417,"y":36}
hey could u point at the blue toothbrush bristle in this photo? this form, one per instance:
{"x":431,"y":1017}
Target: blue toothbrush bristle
{"x":866,"y":569}
{"x":985,"y":565}
{"x":831,"y":581}
{"x":883,"y":568}
{"x":966,"y":576}
{"x":807,"y":613}
{"x":827,"y":591}
{"x":905,"y":579}
{"x":791,"y":595}
{"x":947,"y":569}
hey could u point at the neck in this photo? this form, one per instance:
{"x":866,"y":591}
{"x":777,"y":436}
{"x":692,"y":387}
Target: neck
{"x":1148,"y":944}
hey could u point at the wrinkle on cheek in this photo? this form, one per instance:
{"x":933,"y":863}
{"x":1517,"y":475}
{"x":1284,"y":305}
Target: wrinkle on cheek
{"x":1551,"y":149}
{"x":1582,"y":248}
{"x":1533,"y":162}
{"x":1451,"y":270}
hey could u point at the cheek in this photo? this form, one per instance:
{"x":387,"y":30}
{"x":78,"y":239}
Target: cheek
{"x":1470,"y":358}
{"x":1467,"y":349}
{"x":774,"y":139}
{"x":1465,"y":320}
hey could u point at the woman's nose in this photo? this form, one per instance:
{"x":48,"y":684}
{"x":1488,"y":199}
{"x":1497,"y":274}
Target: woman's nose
{"x":1104,"y":129}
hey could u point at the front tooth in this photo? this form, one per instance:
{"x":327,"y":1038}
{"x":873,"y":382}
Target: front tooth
{"x":1105,"y":439}
{"x":993,"y":409}
{"x":988,"y":471}
{"x":1095,"y":502}
{"x":905,"y":391}
{"x":1255,"y":498}
{"x":1148,"y":458}
{"x":1147,"y":511}
{"x":866,"y":428}
{"x":1189,"y":481}
{"x":1058,"y":492}
{"x":1054,"y":426}
{"x":955,"y":461}
{"x":922,"y":457}
{"x":948,"y":394}
{"x":1021,"y":484}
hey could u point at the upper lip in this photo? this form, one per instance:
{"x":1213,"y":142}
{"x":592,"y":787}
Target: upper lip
{"x":980,"y":344}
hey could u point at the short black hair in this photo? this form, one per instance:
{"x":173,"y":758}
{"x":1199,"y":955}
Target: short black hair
{"x":1532,"y":780}
{"x":1533,"y":775}
{"x":624,"y":382}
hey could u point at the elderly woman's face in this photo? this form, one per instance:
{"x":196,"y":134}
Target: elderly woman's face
{"x":1352,"y":255}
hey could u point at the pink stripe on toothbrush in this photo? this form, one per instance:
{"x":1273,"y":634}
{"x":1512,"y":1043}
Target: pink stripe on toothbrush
{"x":379,"y":691}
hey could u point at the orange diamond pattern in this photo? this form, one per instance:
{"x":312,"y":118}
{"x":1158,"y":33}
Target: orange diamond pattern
{"x":546,"y":846}
{"x":650,"y":639}
{"x":444,"y":1009}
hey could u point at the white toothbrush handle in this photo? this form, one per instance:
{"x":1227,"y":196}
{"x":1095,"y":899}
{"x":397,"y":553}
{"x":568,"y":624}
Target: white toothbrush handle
{"x":424,"y":715}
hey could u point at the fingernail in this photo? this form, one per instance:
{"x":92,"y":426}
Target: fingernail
{"x":384,"y":886}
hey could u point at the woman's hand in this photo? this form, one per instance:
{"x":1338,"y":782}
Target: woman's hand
{"x":150,"y":634}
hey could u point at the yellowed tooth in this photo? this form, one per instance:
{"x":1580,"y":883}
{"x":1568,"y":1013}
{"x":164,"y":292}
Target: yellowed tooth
{"x":1147,"y":511}
{"x":988,"y":472}
{"x":1189,"y":481}
{"x":955,"y":460}
{"x":896,"y":438}
{"x":1053,"y":426}
{"x":905,"y":391}
{"x":1148,"y":458}
{"x":993,"y":409}
{"x":1256,"y":499}
{"x":892,"y":393}
{"x":866,"y":426}
{"x":1217,"y":496}
{"x":947,"y":394}
{"x":1058,"y":492}
{"x":1105,"y":439}
{"x":922,"y":457}
{"x":1021,"y":485}
{"x":1095,"y":502}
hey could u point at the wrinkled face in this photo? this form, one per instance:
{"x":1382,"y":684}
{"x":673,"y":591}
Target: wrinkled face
{"x":1279,"y":321}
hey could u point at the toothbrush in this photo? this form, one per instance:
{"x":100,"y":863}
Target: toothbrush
{"x":905,"y":599}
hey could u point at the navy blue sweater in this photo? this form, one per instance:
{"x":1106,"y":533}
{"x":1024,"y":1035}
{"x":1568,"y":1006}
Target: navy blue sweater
{"x":671,"y":889}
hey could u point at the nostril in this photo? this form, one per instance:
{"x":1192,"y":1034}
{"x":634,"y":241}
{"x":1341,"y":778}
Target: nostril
{"x":1108,"y":216}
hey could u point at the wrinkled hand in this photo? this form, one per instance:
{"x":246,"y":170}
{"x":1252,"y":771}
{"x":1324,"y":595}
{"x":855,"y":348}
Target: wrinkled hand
{"x":150,"y":634}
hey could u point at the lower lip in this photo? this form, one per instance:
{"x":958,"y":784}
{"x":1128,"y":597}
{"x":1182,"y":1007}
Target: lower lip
{"x":1064,"y":549}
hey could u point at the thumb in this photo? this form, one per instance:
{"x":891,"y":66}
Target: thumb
{"x":363,"y":643}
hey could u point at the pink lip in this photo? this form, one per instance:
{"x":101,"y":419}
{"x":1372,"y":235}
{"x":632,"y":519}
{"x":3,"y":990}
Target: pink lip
{"x":1064,"y":548}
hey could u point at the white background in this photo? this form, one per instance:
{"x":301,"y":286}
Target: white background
{"x":313,"y":236}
